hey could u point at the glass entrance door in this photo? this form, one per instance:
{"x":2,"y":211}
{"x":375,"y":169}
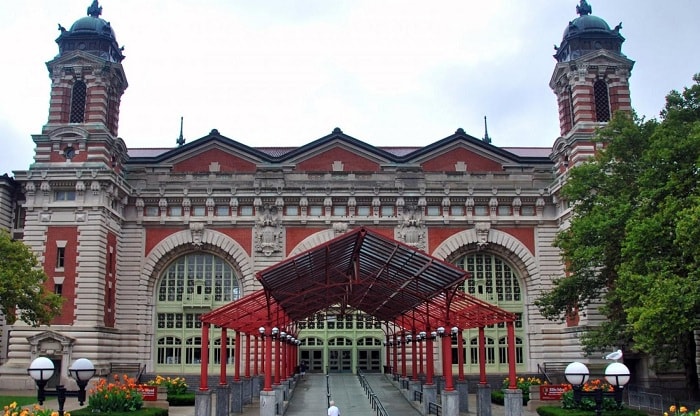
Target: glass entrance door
{"x":369,"y":360}
{"x":314,"y":360}
{"x":340,"y":361}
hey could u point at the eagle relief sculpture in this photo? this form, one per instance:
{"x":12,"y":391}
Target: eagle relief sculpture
{"x":412,"y":230}
{"x":268,"y":232}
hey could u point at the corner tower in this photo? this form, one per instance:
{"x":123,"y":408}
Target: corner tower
{"x":590,"y":80}
{"x":87,"y":83}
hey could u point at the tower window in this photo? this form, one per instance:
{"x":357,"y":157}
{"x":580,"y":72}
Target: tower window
{"x":602,"y":101}
{"x":77,"y":102}
{"x":60,"y":257}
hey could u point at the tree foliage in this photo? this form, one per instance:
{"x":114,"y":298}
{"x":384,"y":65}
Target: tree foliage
{"x":23,"y":294}
{"x":633,"y":237}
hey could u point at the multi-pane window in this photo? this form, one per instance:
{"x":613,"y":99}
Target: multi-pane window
{"x":315,"y":211}
{"x":491,"y":278}
{"x":364,"y":211}
{"x":169,"y":350}
{"x":504,"y":210}
{"x":481,"y":210}
{"x":387,"y":211}
{"x":152,"y":211}
{"x":176,"y":211}
{"x":340,"y":210}
{"x":60,"y":257}
{"x":434,"y":210}
{"x":503,"y":350}
{"x":457,"y":210}
{"x":292,"y":210}
{"x":222,"y":211}
{"x":64,"y":195}
{"x":230,"y":350}
{"x":246,"y":210}
{"x":199,"y":275}
{"x":199,"y":211}
{"x":527,"y":210}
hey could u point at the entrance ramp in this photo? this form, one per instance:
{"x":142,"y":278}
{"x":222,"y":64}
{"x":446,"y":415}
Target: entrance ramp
{"x":310,"y":396}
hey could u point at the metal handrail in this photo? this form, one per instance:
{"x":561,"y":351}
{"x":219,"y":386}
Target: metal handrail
{"x":374,"y":400}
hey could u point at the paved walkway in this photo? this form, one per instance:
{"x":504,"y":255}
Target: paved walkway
{"x":309,"y":398}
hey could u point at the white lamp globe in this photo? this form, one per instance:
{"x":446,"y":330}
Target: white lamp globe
{"x":41,"y":369}
{"x":82,"y":369}
{"x":617,"y":374}
{"x":576,"y":373}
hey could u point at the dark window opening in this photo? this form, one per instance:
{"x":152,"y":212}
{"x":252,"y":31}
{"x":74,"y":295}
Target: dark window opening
{"x":602,"y":101}
{"x":58,"y":288}
{"x":77,"y":102}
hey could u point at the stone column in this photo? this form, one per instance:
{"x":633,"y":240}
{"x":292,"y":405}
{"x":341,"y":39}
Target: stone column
{"x":450,"y":402}
{"x":429,"y":395}
{"x":463,"y":389}
{"x":236,"y":397}
{"x":513,"y":402}
{"x":222,"y":403}
{"x":268,"y":403}
{"x":202,"y":403}
{"x":483,"y":400}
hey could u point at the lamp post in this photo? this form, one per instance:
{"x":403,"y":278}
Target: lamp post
{"x":616,"y":374}
{"x":41,"y":370}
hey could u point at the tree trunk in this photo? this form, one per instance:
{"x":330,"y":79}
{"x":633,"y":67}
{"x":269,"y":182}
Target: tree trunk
{"x":690,"y":366}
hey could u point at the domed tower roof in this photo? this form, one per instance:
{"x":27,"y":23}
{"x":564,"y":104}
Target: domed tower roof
{"x":588,"y":33}
{"x":90,"y":34}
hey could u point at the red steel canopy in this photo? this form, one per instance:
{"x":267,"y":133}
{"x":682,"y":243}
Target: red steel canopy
{"x":366,"y":271}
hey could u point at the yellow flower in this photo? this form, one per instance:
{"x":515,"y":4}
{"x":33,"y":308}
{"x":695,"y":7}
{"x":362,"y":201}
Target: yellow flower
{"x":672,"y":409}
{"x":684,"y":409}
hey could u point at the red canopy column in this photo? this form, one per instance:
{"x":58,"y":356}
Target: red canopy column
{"x":247,"y":355}
{"x":403,"y":356}
{"x":447,"y":362}
{"x":396,"y":355}
{"x":267,"y":362}
{"x":430,"y":358}
{"x":510,"y":326}
{"x":236,"y":357}
{"x":278,"y":355}
{"x":414,"y":356}
{"x":421,"y":357}
{"x":224,"y":358}
{"x":460,"y":355}
{"x":203,"y":369}
{"x":482,"y":355}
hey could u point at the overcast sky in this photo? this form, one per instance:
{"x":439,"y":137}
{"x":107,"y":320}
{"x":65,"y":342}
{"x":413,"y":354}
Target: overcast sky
{"x":286,"y":72}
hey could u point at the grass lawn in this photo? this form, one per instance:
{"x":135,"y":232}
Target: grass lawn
{"x":21,"y":400}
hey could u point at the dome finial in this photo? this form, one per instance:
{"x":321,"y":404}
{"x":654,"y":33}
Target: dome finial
{"x":584,"y":8}
{"x":95,"y":10}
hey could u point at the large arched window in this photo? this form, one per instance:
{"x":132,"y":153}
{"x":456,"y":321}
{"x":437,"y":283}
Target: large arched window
{"x":493,"y":280}
{"x":190,"y":286}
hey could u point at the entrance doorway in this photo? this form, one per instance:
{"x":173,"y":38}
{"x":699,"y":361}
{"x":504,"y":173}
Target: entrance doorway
{"x":314,"y":360}
{"x":369,"y":360}
{"x":340,"y":361}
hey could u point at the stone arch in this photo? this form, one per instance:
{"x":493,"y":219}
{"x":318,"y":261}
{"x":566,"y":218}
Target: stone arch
{"x":187,"y":241}
{"x":498,"y":242}
{"x":312,"y":241}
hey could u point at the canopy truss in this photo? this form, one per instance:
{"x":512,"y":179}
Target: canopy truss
{"x":365,"y":271}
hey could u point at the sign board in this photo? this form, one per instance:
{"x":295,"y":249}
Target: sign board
{"x":149,"y":393}
{"x":553,"y":391}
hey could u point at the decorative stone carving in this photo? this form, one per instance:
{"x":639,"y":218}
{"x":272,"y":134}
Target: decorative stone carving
{"x":482,"y":234}
{"x":412,"y":230}
{"x":268,"y":231}
{"x":340,"y":228}
{"x":197,"y":230}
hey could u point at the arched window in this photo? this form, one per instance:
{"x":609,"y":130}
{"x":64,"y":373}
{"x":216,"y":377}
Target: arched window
{"x":230,"y":350}
{"x":77,"y":102}
{"x":190,"y":286}
{"x":199,"y":280}
{"x":602,"y":101}
{"x":493,"y":280}
{"x":503,"y":350}
{"x":169,"y":350}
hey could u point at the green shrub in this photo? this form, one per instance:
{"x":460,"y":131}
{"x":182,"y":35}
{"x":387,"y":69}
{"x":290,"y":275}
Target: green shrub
{"x":560,"y":411}
{"x":184,"y":399}
{"x":144,"y":411}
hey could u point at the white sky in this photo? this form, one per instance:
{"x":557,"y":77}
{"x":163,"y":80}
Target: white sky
{"x":286,"y":72}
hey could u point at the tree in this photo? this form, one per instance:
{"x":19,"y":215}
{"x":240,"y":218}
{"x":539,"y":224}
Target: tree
{"x":23,"y":294}
{"x":633,"y":237}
